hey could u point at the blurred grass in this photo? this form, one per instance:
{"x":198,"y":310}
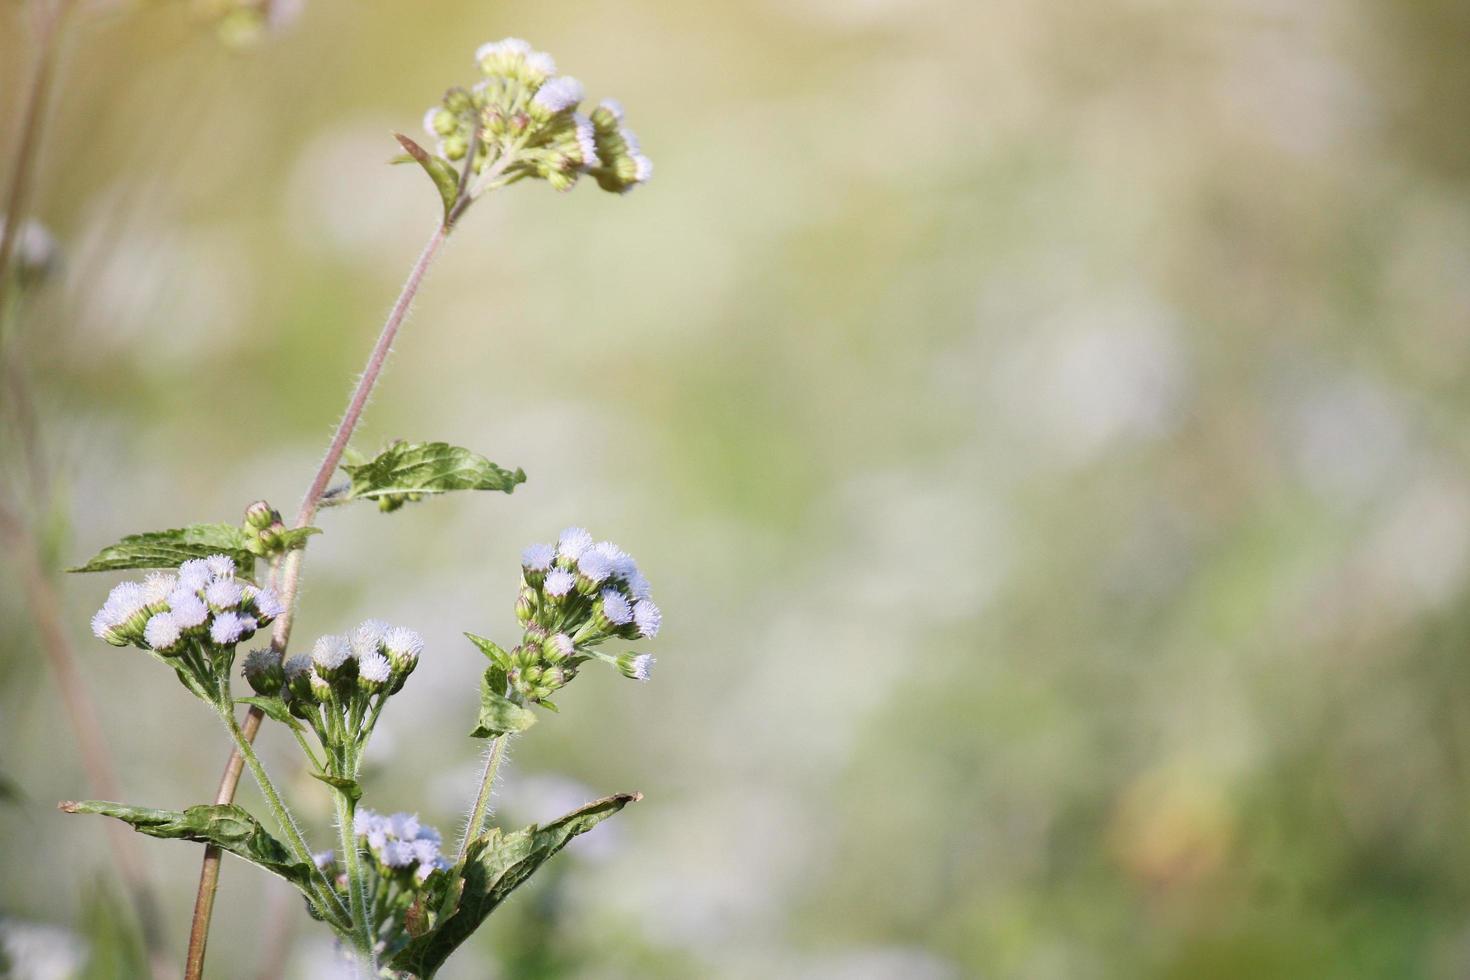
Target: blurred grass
{"x":1043,"y":426}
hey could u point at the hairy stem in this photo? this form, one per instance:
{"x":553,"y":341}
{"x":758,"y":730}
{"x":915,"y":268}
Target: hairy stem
{"x":352,"y":861}
{"x":290,"y":576}
{"x":300,"y":850}
{"x":476,"y":822}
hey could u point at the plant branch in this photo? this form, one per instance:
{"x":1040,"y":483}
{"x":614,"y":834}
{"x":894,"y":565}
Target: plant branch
{"x":290,"y":575}
{"x":476,"y":822}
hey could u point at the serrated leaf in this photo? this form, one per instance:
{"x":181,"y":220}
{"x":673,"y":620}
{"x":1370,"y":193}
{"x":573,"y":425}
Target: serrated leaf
{"x":228,"y":826}
{"x":275,"y":709}
{"x":445,"y":177}
{"x":498,"y":714}
{"x":166,"y":549}
{"x":495,"y":865}
{"x":408,"y":470}
{"x":491,"y":649}
{"x":348,"y":786}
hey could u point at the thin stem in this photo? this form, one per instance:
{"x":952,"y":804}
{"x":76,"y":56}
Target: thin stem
{"x":290,"y":576}
{"x":476,"y":821}
{"x":351,"y":861}
{"x":300,"y":849}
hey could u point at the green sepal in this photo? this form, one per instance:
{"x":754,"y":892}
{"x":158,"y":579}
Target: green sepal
{"x":498,"y":714}
{"x":167,"y":549}
{"x":445,"y":177}
{"x":495,"y":864}
{"x":225,"y":825}
{"x":406,"y":471}
{"x":275,"y":709}
{"x":342,"y":784}
{"x":491,"y":649}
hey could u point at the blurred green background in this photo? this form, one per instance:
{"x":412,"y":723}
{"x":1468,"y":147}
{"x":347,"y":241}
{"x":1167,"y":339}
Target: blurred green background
{"x":1044,"y":425}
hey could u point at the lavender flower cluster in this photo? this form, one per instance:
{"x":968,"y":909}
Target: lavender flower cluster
{"x":202,"y":602}
{"x":575,"y":595}
{"x":400,"y":844}
{"x":524,"y":109}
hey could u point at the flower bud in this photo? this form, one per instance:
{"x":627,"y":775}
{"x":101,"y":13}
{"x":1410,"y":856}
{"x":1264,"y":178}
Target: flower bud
{"x":298,"y":677}
{"x":525,"y":605}
{"x":260,"y":515}
{"x":557,"y":648}
{"x":320,"y":689}
{"x":402,"y":647}
{"x":263,"y":671}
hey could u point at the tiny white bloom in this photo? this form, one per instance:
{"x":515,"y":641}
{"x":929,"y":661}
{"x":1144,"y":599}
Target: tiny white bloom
{"x":323,"y":859}
{"x":228,"y":627}
{"x":268,"y":604}
{"x":642,"y":168}
{"x":429,"y":115}
{"x":563,"y":644}
{"x":194,"y":574}
{"x":331,"y":651}
{"x":223,"y":593}
{"x":398,"y":854}
{"x":648,"y":617}
{"x":425,"y":851}
{"x":405,"y":826}
{"x":559,"y":94}
{"x":538,"y":557}
{"x":541,"y":63}
{"x":638,"y":586}
{"x":125,"y":599}
{"x":162,"y":632}
{"x":559,"y":582}
{"x":157,"y":586}
{"x":615,"y":607}
{"x":595,"y":565}
{"x":373,"y":666}
{"x":363,"y":821}
{"x":221,"y":566}
{"x":615,"y":107}
{"x":368,"y":636}
{"x":294,"y":668}
{"x":642,"y":666}
{"x":101,"y":624}
{"x":403,"y":642}
{"x":188,"y":609}
{"x":572,"y":542}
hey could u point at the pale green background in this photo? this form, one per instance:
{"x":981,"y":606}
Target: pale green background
{"x":1044,"y":425}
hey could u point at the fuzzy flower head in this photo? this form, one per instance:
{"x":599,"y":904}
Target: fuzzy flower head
{"x":200,"y":601}
{"x":522,"y":119}
{"x":263,"y":671}
{"x":400,"y":843}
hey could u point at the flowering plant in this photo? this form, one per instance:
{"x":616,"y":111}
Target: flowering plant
{"x":399,"y":901}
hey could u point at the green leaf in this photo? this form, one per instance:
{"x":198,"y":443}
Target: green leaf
{"x":498,"y":714}
{"x":165,"y":549}
{"x":490,"y":649}
{"x":445,"y":177}
{"x":275,"y":709}
{"x":406,"y":471}
{"x":225,"y":825}
{"x":342,"y":783}
{"x":495,"y":865}
{"x":294,"y":538}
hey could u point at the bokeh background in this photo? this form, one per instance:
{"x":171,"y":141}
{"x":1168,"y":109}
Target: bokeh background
{"x":1044,"y":425}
